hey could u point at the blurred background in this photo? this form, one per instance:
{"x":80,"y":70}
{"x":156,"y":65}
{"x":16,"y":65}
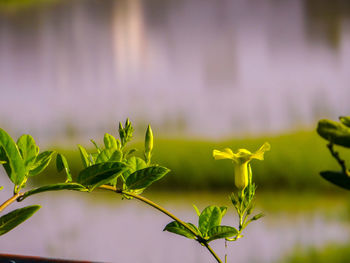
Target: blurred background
{"x":206,"y":75}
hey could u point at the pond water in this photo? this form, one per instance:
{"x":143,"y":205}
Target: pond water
{"x":104,"y":228}
{"x":192,"y":67}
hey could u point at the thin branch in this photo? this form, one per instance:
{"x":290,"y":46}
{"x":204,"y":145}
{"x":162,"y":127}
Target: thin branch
{"x":337,"y":157}
{"x":151,"y":203}
{"x":212,"y":252}
{"x":166,"y":212}
{"x":10,"y":201}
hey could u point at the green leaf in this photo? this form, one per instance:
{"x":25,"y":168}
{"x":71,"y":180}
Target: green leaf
{"x":14,"y":165}
{"x":109,"y":155}
{"x":197,"y":210}
{"x":345,"y":120}
{"x":131,"y":151}
{"x":177,"y":228}
{"x":16,"y":217}
{"x":62,"y":164}
{"x":84,"y":156}
{"x":92,"y":158}
{"x":116,"y":156}
{"x":95,"y":144}
{"x":257,"y":216}
{"x":54,"y":187}
{"x":210,"y":217}
{"x":110,"y":142}
{"x":337,"y":178}
{"x":223,"y":210}
{"x":28,"y":150}
{"x":142,"y":178}
{"x":334,"y":132}
{"x":41,"y":162}
{"x":194,"y":228}
{"x":134,"y":164}
{"x":104,"y":156}
{"x":218,"y":232}
{"x":99,"y":174}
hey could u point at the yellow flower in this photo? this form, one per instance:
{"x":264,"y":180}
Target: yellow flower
{"x":241,"y":160}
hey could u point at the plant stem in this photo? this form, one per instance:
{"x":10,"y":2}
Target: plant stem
{"x":151,"y":203}
{"x":10,"y":201}
{"x":166,"y":212}
{"x":337,"y":157}
{"x":212,"y":252}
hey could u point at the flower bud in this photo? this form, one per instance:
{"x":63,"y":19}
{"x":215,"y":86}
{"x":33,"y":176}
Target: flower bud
{"x":149,"y":140}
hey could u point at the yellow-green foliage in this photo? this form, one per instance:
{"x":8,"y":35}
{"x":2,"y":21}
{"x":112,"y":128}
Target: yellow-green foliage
{"x":293,"y":163}
{"x":331,"y":253}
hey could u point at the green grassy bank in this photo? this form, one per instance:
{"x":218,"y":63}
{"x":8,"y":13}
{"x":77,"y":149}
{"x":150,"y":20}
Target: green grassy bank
{"x":334,"y":253}
{"x":293,"y":163}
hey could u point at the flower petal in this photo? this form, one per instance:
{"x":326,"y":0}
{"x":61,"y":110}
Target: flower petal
{"x":259,"y":154}
{"x":225,"y":154}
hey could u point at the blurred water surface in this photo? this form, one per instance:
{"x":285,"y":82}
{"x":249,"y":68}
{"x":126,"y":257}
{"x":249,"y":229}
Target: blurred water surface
{"x":86,"y":227}
{"x":191,"y":67}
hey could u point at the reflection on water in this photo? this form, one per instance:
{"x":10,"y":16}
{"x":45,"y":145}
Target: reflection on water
{"x":77,"y":226}
{"x":208,"y":68}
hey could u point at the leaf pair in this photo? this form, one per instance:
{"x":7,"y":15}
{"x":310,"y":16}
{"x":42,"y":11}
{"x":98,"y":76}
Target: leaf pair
{"x":209,"y":227}
{"x":22,"y":159}
{"x":335,"y":132}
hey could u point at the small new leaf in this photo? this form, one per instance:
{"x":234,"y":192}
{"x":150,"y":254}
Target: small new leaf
{"x":196,"y":209}
{"x":110,"y":142}
{"x":223,"y":210}
{"x":109,"y":155}
{"x":28,"y":150}
{"x":96,"y":146}
{"x":210,"y":217}
{"x":256,"y":217}
{"x":84,"y":156}
{"x":345,"y":120}
{"x":335,"y":132}
{"x":16,"y":217}
{"x":62,"y":164}
{"x":41,"y":162}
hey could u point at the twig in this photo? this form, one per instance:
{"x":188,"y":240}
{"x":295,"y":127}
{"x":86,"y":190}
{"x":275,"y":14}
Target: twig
{"x":166,"y":212}
{"x":10,"y":201}
{"x":337,"y":157}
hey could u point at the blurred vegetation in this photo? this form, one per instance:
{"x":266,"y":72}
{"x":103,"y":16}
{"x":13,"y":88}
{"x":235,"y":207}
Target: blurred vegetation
{"x":17,"y":6}
{"x":333,"y":253}
{"x":326,"y":19}
{"x":293,"y":163}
